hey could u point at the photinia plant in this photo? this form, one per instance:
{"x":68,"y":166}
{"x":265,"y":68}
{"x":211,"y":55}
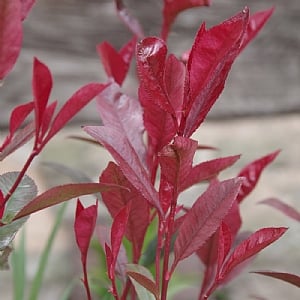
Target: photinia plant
{"x":150,"y":141}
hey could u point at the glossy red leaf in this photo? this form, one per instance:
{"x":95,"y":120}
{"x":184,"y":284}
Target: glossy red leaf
{"x":283,"y":207}
{"x":159,"y":124}
{"x":109,"y":261}
{"x":60,"y":194}
{"x":77,"y":101}
{"x":17,"y":117}
{"x":251,"y":174}
{"x":11,"y":34}
{"x":151,"y":59}
{"x":174,"y":78}
{"x":249,"y":247}
{"x":204,"y":218}
{"x":130,"y":22}
{"x":256,"y":23}
{"x":287,"y":277}
{"x":173,"y":7}
{"x":41,"y":88}
{"x":114,"y":200}
{"x":210,"y":60}
{"x":207,"y":170}
{"x":116,"y":64}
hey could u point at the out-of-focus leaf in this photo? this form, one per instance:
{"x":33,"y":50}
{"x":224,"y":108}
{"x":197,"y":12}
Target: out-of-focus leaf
{"x":84,"y":226}
{"x":77,"y":101}
{"x":26,"y":7}
{"x":210,"y":60}
{"x":204,"y":218}
{"x":249,"y":247}
{"x":251,"y":174}
{"x":207,"y":170}
{"x":114,"y":200}
{"x":4,"y":255}
{"x":143,"y":282}
{"x":283,"y":207}
{"x":60,"y":194}
{"x":256,"y":22}
{"x":25,"y":192}
{"x":116,"y":64}
{"x":173,"y":7}
{"x":17,"y":117}
{"x":287,"y":277}
{"x":131,"y":22}
{"x":11,"y":34}
{"x":20,"y":138}
{"x":8,"y":232}
{"x":41,"y":88}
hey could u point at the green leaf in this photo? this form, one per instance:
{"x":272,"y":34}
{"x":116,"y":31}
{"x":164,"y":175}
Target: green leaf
{"x":143,"y":282}
{"x":25,"y":192}
{"x":62,"y":193}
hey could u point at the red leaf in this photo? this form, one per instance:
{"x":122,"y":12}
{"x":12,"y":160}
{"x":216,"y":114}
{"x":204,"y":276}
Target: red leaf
{"x":117,"y":233}
{"x":213,"y":254}
{"x":17,"y":117}
{"x":159,"y":124}
{"x":77,"y":101}
{"x":114,"y":200}
{"x":60,"y":194}
{"x":116,"y":64}
{"x":20,"y":138}
{"x":130,"y":22}
{"x":283,"y":207}
{"x":207,"y":170}
{"x":85,"y":222}
{"x":26,"y":7}
{"x":123,"y":113}
{"x":2,"y":204}
{"x":176,"y":160}
{"x":41,"y":87}
{"x":174,"y":78}
{"x":11,"y":35}
{"x":209,"y":63}
{"x":48,"y":115}
{"x":84,"y":226}
{"x":287,"y":277}
{"x":233,"y":219}
{"x":173,"y":7}
{"x":205,"y":216}
{"x":252,"y":172}
{"x":249,"y":247}
{"x":256,"y":22}
{"x":151,"y":59}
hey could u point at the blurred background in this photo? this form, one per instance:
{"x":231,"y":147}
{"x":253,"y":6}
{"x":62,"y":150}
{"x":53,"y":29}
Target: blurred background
{"x":257,"y":113}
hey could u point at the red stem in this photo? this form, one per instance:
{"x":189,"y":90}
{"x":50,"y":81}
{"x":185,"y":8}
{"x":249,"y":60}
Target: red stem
{"x":160,"y":234}
{"x":169,"y":231}
{"x":33,"y":154}
{"x":86,"y":283}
